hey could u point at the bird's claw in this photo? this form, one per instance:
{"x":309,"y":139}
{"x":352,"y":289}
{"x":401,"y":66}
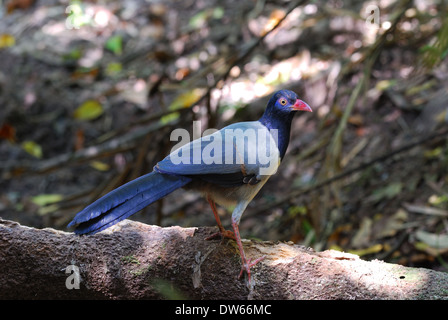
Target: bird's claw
{"x":247,"y":265}
{"x":222,"y":234}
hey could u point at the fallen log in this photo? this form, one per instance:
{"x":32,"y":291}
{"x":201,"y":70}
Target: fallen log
{"x":136,"y":261}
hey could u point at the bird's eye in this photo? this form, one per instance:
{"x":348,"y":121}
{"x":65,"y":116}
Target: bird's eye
{"x":283,"y":101}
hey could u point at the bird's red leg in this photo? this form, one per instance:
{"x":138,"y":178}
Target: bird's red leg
{"x":246,"y":263}
{"x":222,"y":232}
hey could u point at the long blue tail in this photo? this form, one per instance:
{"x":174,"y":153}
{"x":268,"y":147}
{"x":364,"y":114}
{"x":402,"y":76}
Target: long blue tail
{"x":125,"y":201}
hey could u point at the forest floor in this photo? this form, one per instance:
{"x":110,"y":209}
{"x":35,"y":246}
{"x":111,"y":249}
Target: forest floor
{"x":90,"y":92}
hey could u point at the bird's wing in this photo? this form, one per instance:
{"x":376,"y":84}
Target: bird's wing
{"x":226,"y":156}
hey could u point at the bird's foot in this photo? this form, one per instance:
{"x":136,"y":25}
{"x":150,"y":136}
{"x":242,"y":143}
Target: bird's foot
{"x":247,"y":265}
{"x":222,"y":234}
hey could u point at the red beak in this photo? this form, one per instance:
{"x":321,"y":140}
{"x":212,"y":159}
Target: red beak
{"x":301,"y":106}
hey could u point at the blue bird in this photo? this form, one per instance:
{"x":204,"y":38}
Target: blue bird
{"x":228,"y":167}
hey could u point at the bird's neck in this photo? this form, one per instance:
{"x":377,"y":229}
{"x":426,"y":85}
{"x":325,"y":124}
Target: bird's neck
{"x":282,"y":123}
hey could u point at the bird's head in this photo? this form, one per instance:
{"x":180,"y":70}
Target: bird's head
{"x":286,"y":102}
{"x":279,"y":114}
{"x":281,"y":108}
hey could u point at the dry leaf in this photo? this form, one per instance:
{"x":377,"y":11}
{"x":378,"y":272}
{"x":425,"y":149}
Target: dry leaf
{"x":274,"y":19}
{"x":186,"y":99}
{"x":388,"y":192}
{"x":100,"y":166}
{"x":89,"y":110}
{"x":8,"y":132}
{"x":370,"y":250}
{"x":362,"y":237}
{"x":425,"y":210}
{"x":436,"y":241}
{"x":6,"y":40}
{"x":32,"y":148}
{"x":389,"y":226}
{"x":79,"y":139}
{"x":45,"y":199}
{"x":18,"y":4}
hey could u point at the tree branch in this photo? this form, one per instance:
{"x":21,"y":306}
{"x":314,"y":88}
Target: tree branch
{"x":136,"y":261}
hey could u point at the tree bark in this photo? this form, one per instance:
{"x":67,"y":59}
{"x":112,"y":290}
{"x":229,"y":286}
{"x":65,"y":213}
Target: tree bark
{"x":136,"y":261}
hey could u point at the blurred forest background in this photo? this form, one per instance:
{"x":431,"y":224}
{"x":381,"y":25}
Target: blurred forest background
{"x":91,"y":90}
